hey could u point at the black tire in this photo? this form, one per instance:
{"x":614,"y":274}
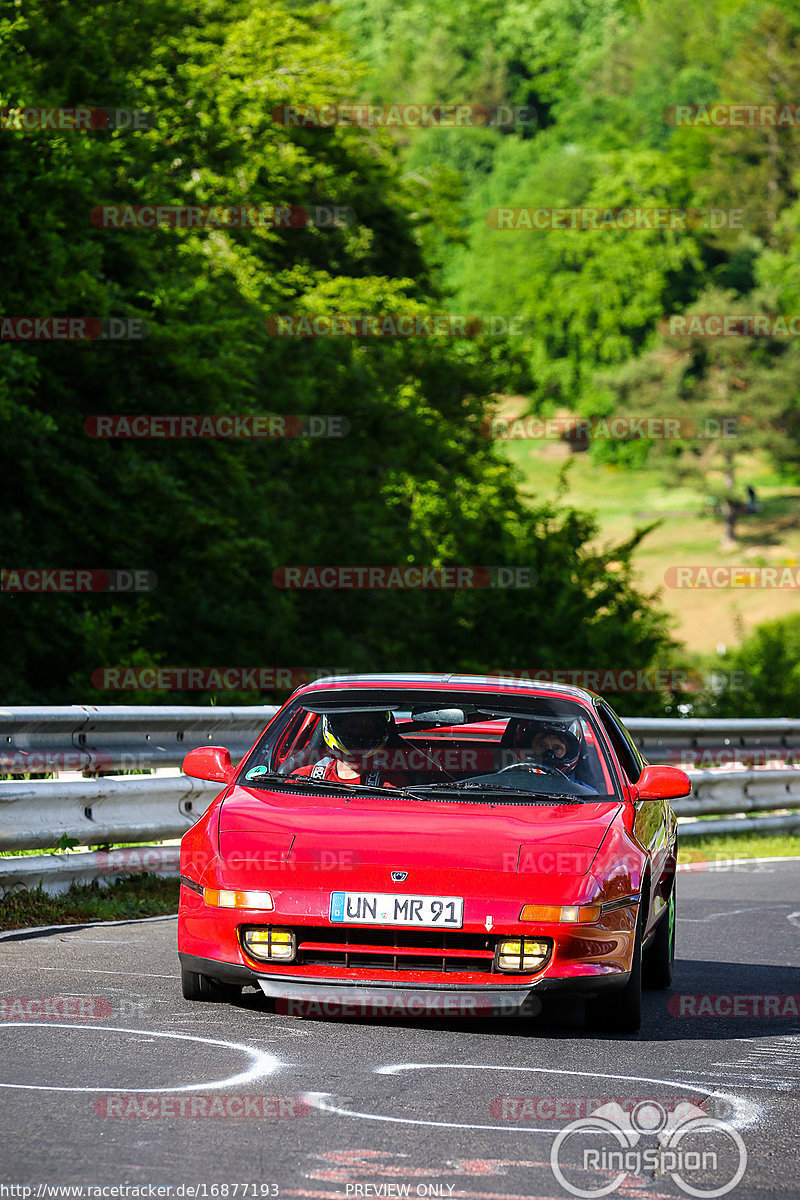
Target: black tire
{"x":620,"y":1011}
{"x":199,"y":987}
{"x":659,"y":957}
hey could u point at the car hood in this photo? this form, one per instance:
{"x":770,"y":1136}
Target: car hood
{"x":403,"y":833}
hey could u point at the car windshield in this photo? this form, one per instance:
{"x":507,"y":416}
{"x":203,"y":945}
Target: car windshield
{"x":437,"y":745}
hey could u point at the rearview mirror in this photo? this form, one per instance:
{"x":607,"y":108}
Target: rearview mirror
{"x":438,"y":716}
{"x":209,"y":762}
{"x":663,"y":783}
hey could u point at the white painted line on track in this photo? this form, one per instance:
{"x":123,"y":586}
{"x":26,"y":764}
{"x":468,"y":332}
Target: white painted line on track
{"x":745,"y":1112}
{"x":89,"y":971}
{"x":734,"y":912}
{"x":262,"y":1064}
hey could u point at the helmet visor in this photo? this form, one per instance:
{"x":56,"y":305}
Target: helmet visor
{"x":356,"y":734}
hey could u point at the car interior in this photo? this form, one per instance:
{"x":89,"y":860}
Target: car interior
{"x":452,"y":742}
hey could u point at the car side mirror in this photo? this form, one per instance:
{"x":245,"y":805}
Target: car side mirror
{"x":663,"y":783}
{"x":209,"y":762}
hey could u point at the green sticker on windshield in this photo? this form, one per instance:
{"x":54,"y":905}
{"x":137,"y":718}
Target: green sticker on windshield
{"x":254,"y":772}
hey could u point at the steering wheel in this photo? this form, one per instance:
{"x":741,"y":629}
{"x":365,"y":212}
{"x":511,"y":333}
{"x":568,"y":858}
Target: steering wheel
{"x":533,"y":766}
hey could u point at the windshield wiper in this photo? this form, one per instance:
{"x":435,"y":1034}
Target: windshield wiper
{"x":498,"y":789}
{"x":336,"y":785}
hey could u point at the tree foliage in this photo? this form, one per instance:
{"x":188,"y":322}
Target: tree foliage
{"x":415,"y":481}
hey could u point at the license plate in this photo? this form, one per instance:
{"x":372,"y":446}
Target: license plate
{"x":389,"y":908}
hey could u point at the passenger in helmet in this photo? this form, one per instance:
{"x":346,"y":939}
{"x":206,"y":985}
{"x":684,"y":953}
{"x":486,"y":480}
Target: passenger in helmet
{"x":354,"y":741}
{"x":553,"y":744}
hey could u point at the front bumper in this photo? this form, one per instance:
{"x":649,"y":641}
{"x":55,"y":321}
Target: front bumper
{"x":381,"y":992}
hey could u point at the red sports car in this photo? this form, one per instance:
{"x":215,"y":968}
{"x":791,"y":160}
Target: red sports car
{"x":465,"y":837}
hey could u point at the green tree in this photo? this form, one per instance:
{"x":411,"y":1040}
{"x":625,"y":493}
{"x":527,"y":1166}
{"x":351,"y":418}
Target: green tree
{"x":761,"y":677}
{"x":731,"y":395}
{"x":415,"y":481}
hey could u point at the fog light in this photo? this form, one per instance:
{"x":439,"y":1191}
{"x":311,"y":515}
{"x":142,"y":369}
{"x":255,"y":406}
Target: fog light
{"x":270,"y":944}
{"x":567,"y":914}
{"x":227,"y":899}
{"x":521,"y":954}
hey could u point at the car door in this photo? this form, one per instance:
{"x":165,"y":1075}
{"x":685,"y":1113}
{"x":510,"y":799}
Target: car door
{"x":653,"y":822}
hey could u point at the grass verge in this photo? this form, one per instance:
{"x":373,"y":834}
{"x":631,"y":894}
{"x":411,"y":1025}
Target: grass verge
{"x":138,"y":896}
{"x":625,"y":499}
{"x":739,"y":845}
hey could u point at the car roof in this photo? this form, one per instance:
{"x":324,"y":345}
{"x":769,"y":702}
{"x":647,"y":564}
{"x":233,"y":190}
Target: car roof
{"x":505,"y":681}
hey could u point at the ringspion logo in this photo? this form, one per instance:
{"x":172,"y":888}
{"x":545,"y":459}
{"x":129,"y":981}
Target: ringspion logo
{"x":594,"y":1155}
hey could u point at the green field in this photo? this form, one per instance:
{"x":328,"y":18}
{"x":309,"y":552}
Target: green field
{"x":624,"y":500}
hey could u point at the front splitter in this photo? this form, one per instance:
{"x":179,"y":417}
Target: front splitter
{"x":411,"y":1000}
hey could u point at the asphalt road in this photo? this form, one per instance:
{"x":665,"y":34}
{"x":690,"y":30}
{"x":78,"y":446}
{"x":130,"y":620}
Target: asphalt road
{"x":92,"y":1085}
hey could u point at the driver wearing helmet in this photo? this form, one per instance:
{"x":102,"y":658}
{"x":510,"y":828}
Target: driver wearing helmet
{"x":355,"y":741}
{"x":553,"y":744}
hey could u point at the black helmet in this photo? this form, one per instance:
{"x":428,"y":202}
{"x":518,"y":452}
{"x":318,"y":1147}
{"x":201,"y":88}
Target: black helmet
{"x":354,"y":736}
{"x":554,"y":743}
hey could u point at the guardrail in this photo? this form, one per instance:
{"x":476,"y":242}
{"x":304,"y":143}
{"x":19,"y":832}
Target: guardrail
{"x":82,"y":737}
{"x":101,"y":811}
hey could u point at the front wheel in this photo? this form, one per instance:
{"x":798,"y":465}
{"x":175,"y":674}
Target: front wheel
{"x":620,"y":1011}
{"x":195,"y":986}
{"x":659,"y":957}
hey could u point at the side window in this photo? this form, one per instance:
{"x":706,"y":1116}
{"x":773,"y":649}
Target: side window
{"x":625,"y":749}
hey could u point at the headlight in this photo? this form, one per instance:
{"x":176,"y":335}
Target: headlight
{"x":270,"y":944}
{"x":521,"y":954}
{"x":226,"y":899}
{"x":567,"y":914}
